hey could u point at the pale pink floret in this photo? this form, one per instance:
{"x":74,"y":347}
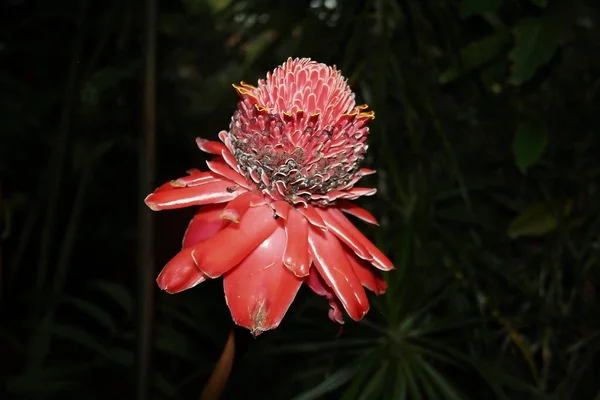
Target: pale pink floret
{"x":299,"y":136}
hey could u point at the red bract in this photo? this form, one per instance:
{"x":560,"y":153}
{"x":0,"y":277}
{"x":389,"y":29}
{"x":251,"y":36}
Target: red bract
{"x":273,"y":203}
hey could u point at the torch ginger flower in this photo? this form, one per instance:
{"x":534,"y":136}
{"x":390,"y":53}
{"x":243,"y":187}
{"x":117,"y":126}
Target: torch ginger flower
{"x":273,"y":202}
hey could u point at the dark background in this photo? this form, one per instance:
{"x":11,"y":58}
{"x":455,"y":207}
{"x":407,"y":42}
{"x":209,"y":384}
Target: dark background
{"x":487,"y":147}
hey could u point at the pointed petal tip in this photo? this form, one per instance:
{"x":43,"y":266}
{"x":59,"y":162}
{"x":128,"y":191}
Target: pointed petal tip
{"x":179,"y":274}
{"x":151,"y":205}
{"x":381,"y":262}
{"x":257,"y":321}
{"x":260,"y":290}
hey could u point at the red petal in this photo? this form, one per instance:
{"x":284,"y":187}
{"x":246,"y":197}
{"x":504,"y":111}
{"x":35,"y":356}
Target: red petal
{"x":379,"y":259}
{"x":230,"y":159}
{"x":316,"y":283}
{"x":366,"y":171}
{"x":229,"y":247}
{"x":359,"y":191}
{"x":367,"y":275}
{"x":341,"y":229}
{"x":234,"y":210}
{"x":219,"y":167}
{"x":312,"y":216}
{"x":210,"y":146}
{"x":196,"y":178}
{"x":281,"y":208}
{"x":260,"y":289}
{"x":295,"y":256}
{"x":358,"y":212}
{"x":214,"y":192}
{"x":180,"y":273}
{"x":205,"y":224}
{"x":333,"y":266}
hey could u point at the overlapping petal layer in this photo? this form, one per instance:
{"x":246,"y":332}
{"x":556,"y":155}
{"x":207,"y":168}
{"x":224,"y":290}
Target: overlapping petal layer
{"x":269,"y":226}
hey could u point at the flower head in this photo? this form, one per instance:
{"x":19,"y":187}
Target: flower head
{"x":299,"y":135}
{"x":273,"y":203}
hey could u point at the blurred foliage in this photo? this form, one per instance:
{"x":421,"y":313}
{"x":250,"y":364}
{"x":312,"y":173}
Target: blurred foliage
{"x":486,"y":146}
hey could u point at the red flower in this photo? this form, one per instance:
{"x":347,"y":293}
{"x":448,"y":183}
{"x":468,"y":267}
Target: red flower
{"x":273,"y":202}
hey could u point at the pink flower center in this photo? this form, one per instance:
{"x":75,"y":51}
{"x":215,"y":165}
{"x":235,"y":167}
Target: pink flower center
{"x":299,"y":134}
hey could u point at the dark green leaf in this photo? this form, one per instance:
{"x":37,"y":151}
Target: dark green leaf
{"x":332,"y":382}
{"x":475,"y":55}
{"x":79,"y":336}
{"x":529,"y":143}
{"x":118,"y":293}
{"x":536,"y":41}
{"x":93,"y":311}
{"x":120,"y":356}
{"x":173,"y":343}
{"x":439,"y":380}
{"x":537,"y":220}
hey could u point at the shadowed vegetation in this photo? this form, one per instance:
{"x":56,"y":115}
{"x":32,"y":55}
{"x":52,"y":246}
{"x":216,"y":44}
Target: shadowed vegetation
{"x":486,"y":143}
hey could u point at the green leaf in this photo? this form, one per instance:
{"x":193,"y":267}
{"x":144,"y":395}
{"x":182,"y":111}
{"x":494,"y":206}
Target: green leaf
{"x":120,"y":356}
{"x":536,"y":41}
{"x":332,"y":382}
{"x":529,"y":143}
{"x":474,"y":55}
{"x":173,"y":343}
{"x":406,"y":370}
{"x":473,"y":7}
{"x":93,"y":311}
{"x":78,"y":336}
{"x":368,"y":365}
{"x":537,"y":220}
{"x":118,"y":293}
{"x":373,"y":389}
{"x":438,"y":380}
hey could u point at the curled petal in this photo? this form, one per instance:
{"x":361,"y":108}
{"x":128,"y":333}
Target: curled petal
{"x":219,"y":167}
{"x":205,"y":224}
{"x":359,"y":191}
{"x":295,"y":256}
{"x":340,"y":227}
{"x":312,"y":216}
{"x":379,"y":259}
{"x":330,"y":260}
{"x":366,"y":171}
{"x":214,"y":192}
{"x":210,"y":146}
{"x":230,"y":160}
{"x":317,"y":285}
{"x":367,"y":275}
{"x":260,"y":289}
{"x":234,"y":210}
{"x":359,"y":212}
{"x":226,"y":249}
{"x":180,"y":273}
